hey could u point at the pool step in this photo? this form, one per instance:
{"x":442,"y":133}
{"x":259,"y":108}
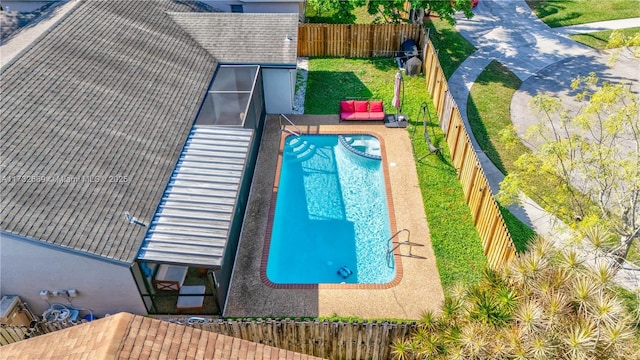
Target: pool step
{"x":368,"y":147}
{"x":299,"y":150}
{"x":348,"y":139}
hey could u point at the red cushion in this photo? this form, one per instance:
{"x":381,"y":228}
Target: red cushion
{"x":376,"y":115}
{"x":361,"y":106}
{"x":375,"y":106}
{"x":347,"y":106}
{"x":348,"y":116}
{"x":362,"y":116}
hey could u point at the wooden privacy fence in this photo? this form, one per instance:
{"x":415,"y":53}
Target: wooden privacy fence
{"x":325,"y":339}
{"x":496,"y":239}
{"x":12,"y":333}
{"x":355,"y":40}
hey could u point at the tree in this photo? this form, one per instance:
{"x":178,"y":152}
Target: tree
{"x":391,"y":11}
{"x":591,"y":159}
{"x":444,"y":9}
{"x":547,"y":304}
{"x":385,"y":11}
{"x":334,"y":11}
{"x":621,"y":43}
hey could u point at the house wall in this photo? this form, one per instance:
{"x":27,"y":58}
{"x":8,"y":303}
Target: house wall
{"x":28,"y":266}
{"x":279,"y":87}
{"x":272,"y":7}
{"x":254,"y":6}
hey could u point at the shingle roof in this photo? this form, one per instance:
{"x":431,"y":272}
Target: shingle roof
{"x":94,"y":117}
{"x":248,"y":38}
{"x":126,"y":336}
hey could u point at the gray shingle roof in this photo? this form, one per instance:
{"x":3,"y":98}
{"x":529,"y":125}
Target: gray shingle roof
{"x":94,"y":117}
{"x":244,"y":38}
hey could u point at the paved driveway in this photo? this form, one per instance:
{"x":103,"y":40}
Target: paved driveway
{"x":556,"y":81}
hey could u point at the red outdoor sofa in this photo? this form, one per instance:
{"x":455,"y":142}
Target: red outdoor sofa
{"x":361,"y":110}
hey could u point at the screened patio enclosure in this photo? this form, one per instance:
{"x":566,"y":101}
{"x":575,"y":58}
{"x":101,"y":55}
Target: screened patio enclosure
{"x":184,"y":264}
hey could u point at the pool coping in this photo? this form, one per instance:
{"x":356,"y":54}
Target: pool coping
{"x":390,"y":208}
{"x":419,"y":289}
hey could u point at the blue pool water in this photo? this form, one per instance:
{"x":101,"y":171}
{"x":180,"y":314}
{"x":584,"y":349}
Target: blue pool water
{"x":331,"y":217}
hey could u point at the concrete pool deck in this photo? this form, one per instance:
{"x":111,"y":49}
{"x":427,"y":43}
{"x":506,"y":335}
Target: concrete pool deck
{"x":417,"y":290}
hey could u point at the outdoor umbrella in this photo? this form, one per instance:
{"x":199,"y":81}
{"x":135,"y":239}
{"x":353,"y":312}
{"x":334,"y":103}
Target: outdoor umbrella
{"x":397,"y":102}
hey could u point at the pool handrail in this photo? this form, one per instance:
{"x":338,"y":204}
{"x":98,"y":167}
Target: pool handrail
{"x":390,"y":249}
{"x":284,"y":128}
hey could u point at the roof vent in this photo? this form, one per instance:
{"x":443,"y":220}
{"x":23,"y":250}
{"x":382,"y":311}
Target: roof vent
{"x":133,"y":220}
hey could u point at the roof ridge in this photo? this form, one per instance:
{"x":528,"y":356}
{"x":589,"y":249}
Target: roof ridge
{"x":114,"y":339}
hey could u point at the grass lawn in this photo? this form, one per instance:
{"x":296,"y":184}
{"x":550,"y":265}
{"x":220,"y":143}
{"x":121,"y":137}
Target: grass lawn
{"x":556,"y":13}
{"x":455,"y":240}
{"x":488,"y":110}
{"x":453,"y":47}
{"x":598,"y":40}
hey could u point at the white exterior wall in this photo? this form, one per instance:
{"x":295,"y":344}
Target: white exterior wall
{"x":279,"y":86}
{"x":26,"y":267}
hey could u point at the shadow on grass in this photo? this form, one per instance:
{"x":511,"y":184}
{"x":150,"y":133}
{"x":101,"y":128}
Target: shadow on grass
{"x":500,"y":76}
{"x":521,"y":234}
{"x":482,"y":136}
{"x":545,"y":9}
{"x":488,"y":110}
{"x":325,"y":89}
{"x":453,"y":48}
{"x":384,"y":64}
{"x":593,"y":40}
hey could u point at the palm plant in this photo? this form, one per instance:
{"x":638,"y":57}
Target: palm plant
{"x":401,"y":350}
{"x":548,"y":304}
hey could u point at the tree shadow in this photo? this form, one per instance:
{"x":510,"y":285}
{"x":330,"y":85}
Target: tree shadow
{"x":557,"y":78}
{"x":496,"y":81}
{"x":325,"y":89}
{"x":547,"y":11}
{"x":453,"y":49}
{"x":596,"y":38}
{"x":497,"y":66}
{"x":482,"y":135}
{"x":544,"y":8}
{"x":521,"y":232}
{"x":384,"y":64}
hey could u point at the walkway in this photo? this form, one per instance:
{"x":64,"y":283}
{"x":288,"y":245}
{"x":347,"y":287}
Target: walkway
{"x":507,"y":31}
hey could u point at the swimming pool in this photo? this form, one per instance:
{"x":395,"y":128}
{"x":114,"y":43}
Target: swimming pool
{"x":331,"y":220}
